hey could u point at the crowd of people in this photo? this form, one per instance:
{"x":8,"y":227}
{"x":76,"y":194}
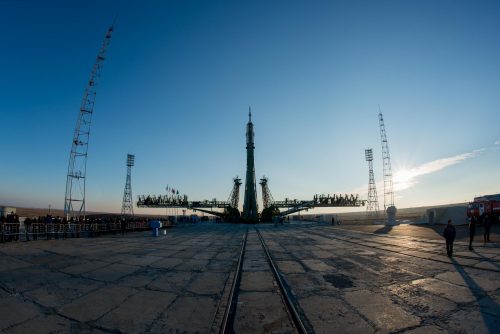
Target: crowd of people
{"x":162,"y":200}
{"x":59,"y":227}
{"x":449,"y":232}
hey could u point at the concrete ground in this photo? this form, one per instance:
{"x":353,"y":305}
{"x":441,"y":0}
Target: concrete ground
{"x":343,"y":280}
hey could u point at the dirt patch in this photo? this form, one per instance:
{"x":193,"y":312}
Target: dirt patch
{"x":339,"y":281}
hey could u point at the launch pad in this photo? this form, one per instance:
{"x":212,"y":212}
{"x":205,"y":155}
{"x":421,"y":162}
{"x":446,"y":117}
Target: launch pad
{"x":272,"y":210}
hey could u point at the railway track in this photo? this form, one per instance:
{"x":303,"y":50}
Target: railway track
{"x":287,"y":318}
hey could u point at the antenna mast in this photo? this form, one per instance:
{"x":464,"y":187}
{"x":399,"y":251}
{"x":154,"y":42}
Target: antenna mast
{"x":386,"y":158}
{"x":389,"y":207}
{"x":74,"y":201}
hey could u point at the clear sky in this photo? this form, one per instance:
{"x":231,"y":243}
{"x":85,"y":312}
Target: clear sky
{"x":180,"y":75}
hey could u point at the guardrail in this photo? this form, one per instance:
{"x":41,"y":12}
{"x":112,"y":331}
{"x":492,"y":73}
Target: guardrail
{"x":35,"y":231}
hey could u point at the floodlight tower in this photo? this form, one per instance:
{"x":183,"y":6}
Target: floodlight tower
{"x":250,"y":214}
{"x":372,"y":204}
{"x":128,"y":204}
{"x":388,"y":189}
{"x":74,"y":201}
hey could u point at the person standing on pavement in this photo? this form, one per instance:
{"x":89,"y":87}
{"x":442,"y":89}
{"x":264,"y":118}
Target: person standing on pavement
{"x":449,"y":234}
{"x":472,"y":231}
{"x":487,"y":227}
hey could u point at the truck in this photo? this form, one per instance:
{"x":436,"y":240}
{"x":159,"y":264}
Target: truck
{"x":488,"y":204}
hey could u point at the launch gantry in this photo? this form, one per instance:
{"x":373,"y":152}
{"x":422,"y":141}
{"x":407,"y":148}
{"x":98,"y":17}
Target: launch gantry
{"x":250,"y":214}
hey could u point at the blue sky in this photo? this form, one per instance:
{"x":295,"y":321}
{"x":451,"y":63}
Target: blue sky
{"x":180,"y":75}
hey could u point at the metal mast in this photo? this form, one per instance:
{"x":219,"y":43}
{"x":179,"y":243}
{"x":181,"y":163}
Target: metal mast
{"x":234,"y":197}
{"x":267,"y":198}
{"x":386,"y":158}
{"x":250,"y":201}
{"x":128,"y":205}
{"x":74,"y":201}
{"x":372,"y":204}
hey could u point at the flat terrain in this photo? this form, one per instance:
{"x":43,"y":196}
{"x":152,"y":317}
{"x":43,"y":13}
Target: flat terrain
{"x":342,"y":279}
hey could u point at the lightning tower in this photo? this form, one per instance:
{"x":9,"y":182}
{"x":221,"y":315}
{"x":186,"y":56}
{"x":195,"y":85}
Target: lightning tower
{"x":128,"y":205}
{"x":74,"y":201}
{"x":372,"y":203}
{"x":388,"y":189}
{"x":250,"y":214}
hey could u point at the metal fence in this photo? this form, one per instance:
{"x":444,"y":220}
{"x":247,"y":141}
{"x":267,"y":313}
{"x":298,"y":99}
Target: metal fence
{"x":35,"y":231}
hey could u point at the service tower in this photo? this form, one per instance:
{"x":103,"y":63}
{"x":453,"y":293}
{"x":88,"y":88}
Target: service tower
{"x":250,"y":214}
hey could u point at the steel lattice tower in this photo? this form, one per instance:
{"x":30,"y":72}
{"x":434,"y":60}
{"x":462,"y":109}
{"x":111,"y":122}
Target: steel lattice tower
{"x":128,"y":204}
{"x":234,"y":197}
{"x":74,"y":201}
{"x":267,"y":198}
{"x":250,"y":213}
{"x":386,"y":158}
{"x":372,"y":203}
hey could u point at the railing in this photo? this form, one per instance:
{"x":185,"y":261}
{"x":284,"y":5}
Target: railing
{"x":35,"y":231}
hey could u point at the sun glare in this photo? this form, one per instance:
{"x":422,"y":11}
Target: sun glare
{"x":403,"y":179}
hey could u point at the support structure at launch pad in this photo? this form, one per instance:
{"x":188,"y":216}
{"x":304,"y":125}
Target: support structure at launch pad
{"x":230,"y":212}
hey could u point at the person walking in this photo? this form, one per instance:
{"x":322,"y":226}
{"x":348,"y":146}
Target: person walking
{"x":487,"y":228}
{"x":472,"y":231}
{"x":449,"y":234}
{"x":124,"y":226}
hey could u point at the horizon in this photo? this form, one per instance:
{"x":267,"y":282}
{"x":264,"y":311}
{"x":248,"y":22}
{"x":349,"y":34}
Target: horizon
{"x":179,"y":76}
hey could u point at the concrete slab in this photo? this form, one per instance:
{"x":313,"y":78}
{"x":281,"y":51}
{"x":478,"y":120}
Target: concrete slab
{"x":261,"y":312}
{"x":208,"y":283}
{"x":15,"y":311}
{"x":468,"y":321}
{"x":381,"y":310}
{"x":173,"y":281}
{"x":89,"y":285}
{"x":317,"y":265}
{"x":421,"y":302}
{"x":111,"y":272}
{"x":257,"y":281}
{"x":62,"y":292}
{"x":192,"y":265}
{"x":187,"y":315}
{"x":147,"y":307}
{"x":51,"y":324}
{"x":9,"y":263}
{"x":97,"y":303}
{"x":331,"y":315}
{"x":457,"y":294}
{"x":426,"y":330}
{"x":290,"y":267}
{"x":167,"y":263}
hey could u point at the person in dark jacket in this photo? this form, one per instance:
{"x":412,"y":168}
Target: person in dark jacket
{"x":449,"y":234}
{"x":472,"y":231}
{"x":487,"y":227}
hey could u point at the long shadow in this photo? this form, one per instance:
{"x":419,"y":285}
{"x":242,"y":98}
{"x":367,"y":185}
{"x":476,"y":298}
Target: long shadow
{"x":383,"y":230}
{"x":485,"y":302}
{"x":484,"y":258}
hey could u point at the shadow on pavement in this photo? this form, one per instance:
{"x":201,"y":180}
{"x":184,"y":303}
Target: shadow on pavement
{"x":486,"y":303}
{"x":484,"y":258}
{"x":386,"y":229}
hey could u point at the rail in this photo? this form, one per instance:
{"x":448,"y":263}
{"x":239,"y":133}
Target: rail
{"x":286,"y":295}
{"x":226,"y":326}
